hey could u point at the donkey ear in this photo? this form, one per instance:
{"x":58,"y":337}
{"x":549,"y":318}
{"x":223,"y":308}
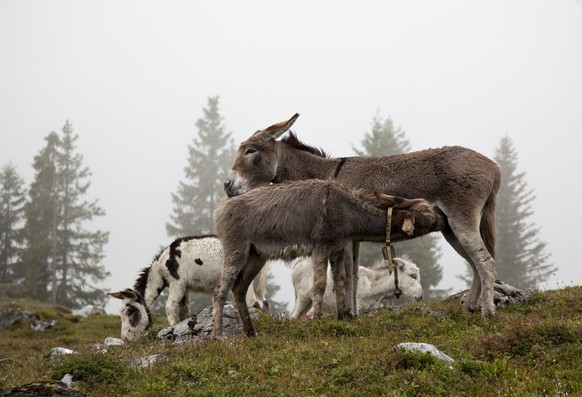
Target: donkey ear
{"x":276,"y":130}
{"x":399,"y":263}
{"x":408,"y":225}
{"x":123,"y":294}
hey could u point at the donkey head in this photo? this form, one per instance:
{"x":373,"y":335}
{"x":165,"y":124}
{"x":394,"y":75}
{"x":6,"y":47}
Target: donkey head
{"x":408,"y":277}
{"x":256,"y":159}
{"x":135,"y":315}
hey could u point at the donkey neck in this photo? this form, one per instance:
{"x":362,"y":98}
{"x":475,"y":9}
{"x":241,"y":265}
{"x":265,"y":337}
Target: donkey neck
{"x":293,"y":164}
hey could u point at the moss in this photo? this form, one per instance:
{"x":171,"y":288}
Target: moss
{"x":91,"y":369}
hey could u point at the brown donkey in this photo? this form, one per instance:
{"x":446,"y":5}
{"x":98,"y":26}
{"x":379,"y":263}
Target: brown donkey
{"x":461,"y":182}
{"x":310,"y":217}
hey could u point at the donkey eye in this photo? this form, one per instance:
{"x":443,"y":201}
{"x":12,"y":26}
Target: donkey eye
{"x":250,"y":150}
{"x":414,"y":276}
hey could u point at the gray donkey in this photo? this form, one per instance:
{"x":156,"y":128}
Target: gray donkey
{"x":460,"y":181}
{"x":311,"y":217}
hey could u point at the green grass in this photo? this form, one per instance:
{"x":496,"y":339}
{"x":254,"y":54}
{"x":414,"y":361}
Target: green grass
{"x":533,"y":349}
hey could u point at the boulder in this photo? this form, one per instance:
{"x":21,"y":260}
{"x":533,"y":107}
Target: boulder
{"x":42,"y":388}
{"x":10,"y":316}
{"x":423,"y":348}
{"x":199,"y":326}
{"x":503,"y":295}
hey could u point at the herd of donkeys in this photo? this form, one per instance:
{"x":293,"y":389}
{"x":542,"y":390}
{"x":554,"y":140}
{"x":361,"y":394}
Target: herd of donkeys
{"x":290,"y":201}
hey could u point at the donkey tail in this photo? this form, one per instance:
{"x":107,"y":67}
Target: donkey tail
{"x":487,"y":226}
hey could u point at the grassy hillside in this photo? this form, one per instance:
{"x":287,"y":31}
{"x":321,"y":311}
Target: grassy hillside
{"x":527,"y":350}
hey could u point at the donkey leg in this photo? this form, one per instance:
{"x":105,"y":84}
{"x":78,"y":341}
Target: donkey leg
{"x":302,"y":305}
{"x":234,"y":260}
{"x":469,"y":236}
{"x":338,"y":272}
{"x":240,"y":289}
{"x":319,"y":282}
{"x":472,"y":299}
{"x":351,"y":278}
{"x":176,"y":295}
{"x":355,"y":266}
{"x":184,"y":307}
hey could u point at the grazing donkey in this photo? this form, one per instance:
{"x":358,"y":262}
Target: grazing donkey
{"x":461,"y":182}
{"x":374,"y":284}
{"x":188,"y":264}
{"x":310,"y":217}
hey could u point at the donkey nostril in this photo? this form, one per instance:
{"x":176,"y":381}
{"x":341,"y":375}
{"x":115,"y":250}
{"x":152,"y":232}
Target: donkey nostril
{"x":227,"y":184}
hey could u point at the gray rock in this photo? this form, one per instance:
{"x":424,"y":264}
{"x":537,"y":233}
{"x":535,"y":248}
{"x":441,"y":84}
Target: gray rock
{"x":503,"y":295}
{"x":99,"y":348}
{"x":60,"y":351}
{"x":42,"y":325}
{"x":67,"y":380}
{"x":104,"y":347}
{"x":199,"y":326}
{"x":4,"y":361}
{"x":111,"y":341}
{"x":429,"y":312}
{"x":144,"y":362}
{"x":424,"y":348}
{"x":42,"y":388}
{"x":10,"y":316}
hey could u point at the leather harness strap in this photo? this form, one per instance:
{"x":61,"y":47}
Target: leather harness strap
{"x":388,"y":252}
{"x":388,"y":249}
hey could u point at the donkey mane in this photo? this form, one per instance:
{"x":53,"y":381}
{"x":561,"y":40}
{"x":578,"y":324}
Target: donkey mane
{"x":142,"y":280}
{"x":294,"y":142}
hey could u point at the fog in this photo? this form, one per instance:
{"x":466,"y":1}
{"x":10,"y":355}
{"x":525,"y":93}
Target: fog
{"x":133,"y":77}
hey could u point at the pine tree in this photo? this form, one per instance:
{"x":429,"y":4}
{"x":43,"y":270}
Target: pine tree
{"x":521,"y":258}
{"x":385,"y":140}
{"x":62,"y":257}
{"x":210,"y":157}
{"x":12,"y":201}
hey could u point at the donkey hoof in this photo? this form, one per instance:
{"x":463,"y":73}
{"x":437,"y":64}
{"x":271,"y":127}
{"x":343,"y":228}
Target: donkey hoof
{"x":488,"y":311}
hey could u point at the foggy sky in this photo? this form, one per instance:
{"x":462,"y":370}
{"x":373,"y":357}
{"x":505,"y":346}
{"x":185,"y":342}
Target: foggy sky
{"x":133,"y":77}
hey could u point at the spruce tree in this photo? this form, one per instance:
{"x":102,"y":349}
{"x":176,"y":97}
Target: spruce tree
{"x":12,"y":201}
{"x":383,"y":139}
{"x":63,"y":258}
{"x":521,"y":258}
{"x":40,"y":224}
{"x":80,"y":251}
{"x":210,"y":157}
